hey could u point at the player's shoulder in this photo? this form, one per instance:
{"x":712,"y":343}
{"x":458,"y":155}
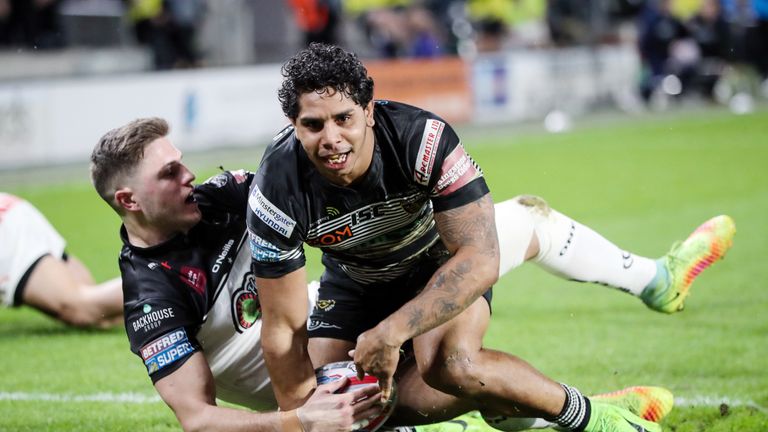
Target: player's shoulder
{"x":282,"y":148}
{"x":406,"y":122}
{"x":146,"y":272}
{"x":141,"y":273}
{"x":419,"y":137}
{"x":399,"y":115}
{"x":284,"y":161}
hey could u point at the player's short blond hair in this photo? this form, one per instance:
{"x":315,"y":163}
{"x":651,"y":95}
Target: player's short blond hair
{"x":118,"y":153}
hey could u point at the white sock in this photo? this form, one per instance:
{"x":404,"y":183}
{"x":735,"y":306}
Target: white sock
{"x":574,"y":251}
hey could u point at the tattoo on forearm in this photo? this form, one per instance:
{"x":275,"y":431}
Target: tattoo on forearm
{"x":470,"y":225}
{"x":416,"y":320}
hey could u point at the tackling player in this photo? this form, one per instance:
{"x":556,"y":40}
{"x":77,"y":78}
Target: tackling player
{"x":191,"y":310}
{"x":36,"y":271}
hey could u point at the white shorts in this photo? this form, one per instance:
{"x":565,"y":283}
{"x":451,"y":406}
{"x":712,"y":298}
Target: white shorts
{"x":25,"y":237}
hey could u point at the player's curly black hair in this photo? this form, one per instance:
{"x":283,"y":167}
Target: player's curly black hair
{"x":319,"y":67}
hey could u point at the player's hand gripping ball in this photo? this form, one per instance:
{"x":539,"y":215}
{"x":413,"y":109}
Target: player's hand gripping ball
{"x":334,"y":371}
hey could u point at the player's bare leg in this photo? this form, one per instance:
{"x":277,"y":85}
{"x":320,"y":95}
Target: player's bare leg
{"x":79,"y":271}
{"x":451,"y":359}
{"x":327,"y":350}
{"x":53,"y":289}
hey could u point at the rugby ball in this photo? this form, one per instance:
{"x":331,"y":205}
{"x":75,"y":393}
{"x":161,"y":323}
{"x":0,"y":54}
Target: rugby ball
{"x":334,"y":371}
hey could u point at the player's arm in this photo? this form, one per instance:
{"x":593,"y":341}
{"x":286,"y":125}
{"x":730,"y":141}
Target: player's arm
{"x":284,"y":336}
{"x":469,"y":233}
{"x":190,"y":392}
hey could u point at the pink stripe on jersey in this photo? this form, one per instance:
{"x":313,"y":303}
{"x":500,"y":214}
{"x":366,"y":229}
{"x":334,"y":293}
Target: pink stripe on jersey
{"x":458,"y":170}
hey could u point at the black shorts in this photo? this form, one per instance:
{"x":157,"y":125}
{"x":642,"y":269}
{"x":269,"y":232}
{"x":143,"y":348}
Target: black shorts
{"x":345,"y":309}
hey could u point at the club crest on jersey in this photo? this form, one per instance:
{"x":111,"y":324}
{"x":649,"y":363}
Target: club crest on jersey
{"x":425,"y":159}
{"x":325,"y":305}
{"x":246,"y":309}
{"x":219,"y":180}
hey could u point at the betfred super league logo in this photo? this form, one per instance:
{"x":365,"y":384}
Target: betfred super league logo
{"x":246,"y":308}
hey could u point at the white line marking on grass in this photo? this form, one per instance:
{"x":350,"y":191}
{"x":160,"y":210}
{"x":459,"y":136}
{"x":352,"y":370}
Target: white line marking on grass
{"x":137,"y":398}
{"x":716,"y":401}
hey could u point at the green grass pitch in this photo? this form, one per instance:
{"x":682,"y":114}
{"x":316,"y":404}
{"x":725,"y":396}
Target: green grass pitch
{"x":643,"y":183}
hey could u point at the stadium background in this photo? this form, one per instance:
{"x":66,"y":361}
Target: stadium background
{"x":548,"y":103}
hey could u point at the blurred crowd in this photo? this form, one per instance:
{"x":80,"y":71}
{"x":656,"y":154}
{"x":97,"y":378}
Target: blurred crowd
{"x":167,"y":27}
{"x":689,"y":53}
{"x":692,"y":40}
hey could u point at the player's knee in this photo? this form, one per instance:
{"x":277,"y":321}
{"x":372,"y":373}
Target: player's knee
{"x":534,"y":204}
{"x":456,"y":374}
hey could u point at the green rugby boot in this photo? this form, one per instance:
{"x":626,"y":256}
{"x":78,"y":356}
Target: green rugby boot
{"x":610,"y":418}
{"x":683,"y":263}
{"x":648,"y":403}
{"x":469,"y":422}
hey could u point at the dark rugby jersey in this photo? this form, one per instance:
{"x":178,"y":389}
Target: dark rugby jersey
{"x":196,"y":291}
{"x":376,"y":229}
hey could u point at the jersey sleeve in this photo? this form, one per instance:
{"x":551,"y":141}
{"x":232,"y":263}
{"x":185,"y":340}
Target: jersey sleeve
{"x":442,"y":165}
{"x":275,"y":228}
{"x":161,"y":331}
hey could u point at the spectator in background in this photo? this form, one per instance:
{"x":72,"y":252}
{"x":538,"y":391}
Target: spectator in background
{"x":182,"y":19}
{"x":5,"y":22}
{"x":568,"y":22}
{"x":489,"y":21}
{"x":146,"y":17}
{"x":761,"y":37}
{"x":169,"y":29}
{"x":317,"y":19}
{"x":379,"y":23}
{"x":709,"y":28}
{"x":499,"y":23}
{"x":404,"y":31}
{"x":31,"y":23}
{"x":659,"y":30}
{"x":424,"y":39}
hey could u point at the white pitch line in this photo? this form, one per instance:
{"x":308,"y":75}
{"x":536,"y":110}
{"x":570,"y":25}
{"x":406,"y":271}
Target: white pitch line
{"x":140,"y":398}
{"x":716,"y":401}
{"x":137,"y":398}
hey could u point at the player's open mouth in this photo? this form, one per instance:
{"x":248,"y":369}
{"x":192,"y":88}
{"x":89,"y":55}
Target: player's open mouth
{"x":337,"y":160}
{"x":190,"y":198}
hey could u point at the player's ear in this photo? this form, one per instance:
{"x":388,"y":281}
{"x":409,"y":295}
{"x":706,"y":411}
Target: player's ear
{"x":368,"y":110}
{"x":124,"y":199}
